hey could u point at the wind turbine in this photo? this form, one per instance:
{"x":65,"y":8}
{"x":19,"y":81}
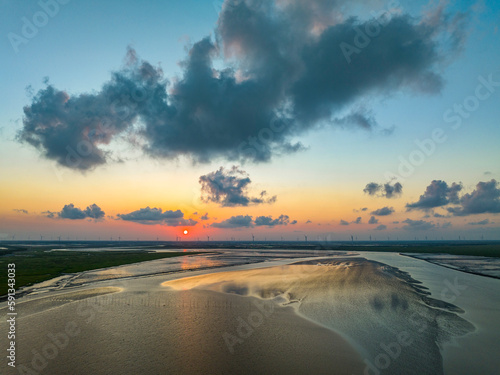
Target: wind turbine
{"x":305,"y":237}
{"x":208,"y":238}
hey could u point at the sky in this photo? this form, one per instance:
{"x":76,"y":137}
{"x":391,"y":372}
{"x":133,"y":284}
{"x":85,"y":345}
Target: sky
{"x":239,"y":118}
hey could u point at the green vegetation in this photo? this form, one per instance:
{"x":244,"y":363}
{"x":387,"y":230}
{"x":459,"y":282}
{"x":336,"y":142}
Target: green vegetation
{"x":36,"y":265}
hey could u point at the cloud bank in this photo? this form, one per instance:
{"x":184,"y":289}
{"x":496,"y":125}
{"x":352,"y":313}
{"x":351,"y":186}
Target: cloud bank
{"x":247,"y":221}
{"x":151,"y":216}
{"x":71,"y":212}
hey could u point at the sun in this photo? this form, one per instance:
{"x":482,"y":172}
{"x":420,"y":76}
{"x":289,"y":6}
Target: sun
{"x":186,"y":231}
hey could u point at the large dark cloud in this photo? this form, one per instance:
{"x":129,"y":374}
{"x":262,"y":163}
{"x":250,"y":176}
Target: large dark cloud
{"x":285,"y":73}
{"x":484,"y":199}
{"x":158,"y":216}
{"x":71,"y":212}
{"x":437,"y":194}
{"x":386,"y":190}
{"x":229,"y":188}
{"x":235,"y":222}
{"x":270,"y":222}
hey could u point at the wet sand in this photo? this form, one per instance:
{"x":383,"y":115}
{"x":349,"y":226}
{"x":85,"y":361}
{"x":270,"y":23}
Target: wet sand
{"x":385,"y":314}
{"x":188,"y":332}
{"x":330,"y":316}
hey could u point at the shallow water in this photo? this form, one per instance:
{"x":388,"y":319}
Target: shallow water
{"x":316,"y":328}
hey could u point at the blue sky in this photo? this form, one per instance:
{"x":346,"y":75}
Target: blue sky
{"x":83,"y":43}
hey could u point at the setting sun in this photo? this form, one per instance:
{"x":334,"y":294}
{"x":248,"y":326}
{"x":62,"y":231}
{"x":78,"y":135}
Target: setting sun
{"x":185,"y":231}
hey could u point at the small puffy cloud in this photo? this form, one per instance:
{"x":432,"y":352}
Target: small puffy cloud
{"x":94,"y":212}
{"x":20,"y":211}
{"x":385,"y":211}
{"x":235,"y":222}
{"x":357,"y":221}
{"x":373,"y":220}
{"x":204,"y":217}
{"x":381,"y":227}
{"x":294,"y":222}
{"x":484,"y":199}
{"x":71,"y":212}
{"x":343,"y":222}
{"x":270,"y":222}
{"x":229,"y":188}
{"x":482,"y":222}
{"x":437,"y":194}
{"x":386,"y":190}
{"x":49,"y":214}
{"x":308,"y":222}
{"x":418,"y":225}
{"x":157,"y":216}
{"x":360,"y":117}
{"x":438,"y":215}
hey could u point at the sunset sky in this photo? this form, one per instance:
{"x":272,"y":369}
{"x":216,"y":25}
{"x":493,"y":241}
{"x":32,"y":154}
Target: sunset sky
{"x":278,"y":118}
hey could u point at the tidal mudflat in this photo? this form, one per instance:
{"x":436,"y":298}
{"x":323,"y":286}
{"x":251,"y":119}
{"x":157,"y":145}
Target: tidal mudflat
{"x":358,"y":313}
